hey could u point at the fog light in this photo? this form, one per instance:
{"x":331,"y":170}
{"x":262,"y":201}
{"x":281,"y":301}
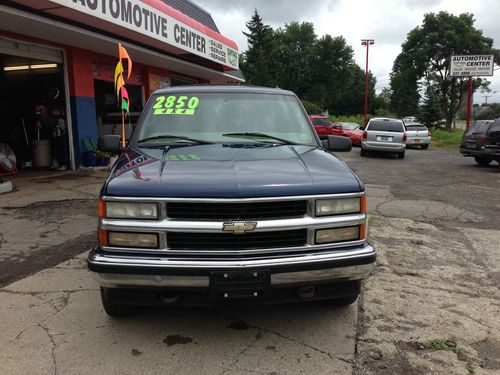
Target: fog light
{"x":333,"y":235}
{"x":127,"y":239}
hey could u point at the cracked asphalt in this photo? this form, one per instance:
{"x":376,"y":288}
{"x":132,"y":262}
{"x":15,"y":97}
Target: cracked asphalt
{"x":433,"y":218}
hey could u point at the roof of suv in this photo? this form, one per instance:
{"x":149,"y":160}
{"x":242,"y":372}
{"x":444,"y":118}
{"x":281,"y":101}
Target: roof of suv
{"x":224,"y":88}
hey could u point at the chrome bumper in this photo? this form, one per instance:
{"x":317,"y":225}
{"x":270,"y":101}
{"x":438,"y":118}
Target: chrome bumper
{"x":139,"y":269}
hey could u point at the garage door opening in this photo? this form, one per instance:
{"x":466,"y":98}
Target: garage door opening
{"x":33,"y":119}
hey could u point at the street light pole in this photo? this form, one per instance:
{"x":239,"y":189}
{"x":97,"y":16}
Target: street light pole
{"x":367,"y":43}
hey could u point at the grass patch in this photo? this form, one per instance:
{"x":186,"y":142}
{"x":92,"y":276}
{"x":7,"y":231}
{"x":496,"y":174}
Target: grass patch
{"x":447,"y":139}
{"x":460,"y":352}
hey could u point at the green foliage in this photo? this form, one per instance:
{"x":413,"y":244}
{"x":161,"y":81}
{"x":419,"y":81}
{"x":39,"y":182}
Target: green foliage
{"x":430,"y":111}
{"x":319,"y":70}
{"x":426,"y":55}
{"x":490,"y":114}
{"x":447,"y":138}
{"x":311,"y":108}
{"x":256,"y":64}
{"x":358,"y":119}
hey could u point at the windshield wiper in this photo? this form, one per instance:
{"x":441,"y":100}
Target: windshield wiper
{"x":262,"y":135}
{"x":169,"y":136}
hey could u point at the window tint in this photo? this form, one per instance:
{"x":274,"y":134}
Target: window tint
{"x":386,"y":126}
{"x":479,"y":127}
{"x":495,"y":127}
{"x":415,"y":127}
{"x":321,"y":121}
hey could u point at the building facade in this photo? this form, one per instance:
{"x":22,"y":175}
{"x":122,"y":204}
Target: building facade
{"x":57,"y":61}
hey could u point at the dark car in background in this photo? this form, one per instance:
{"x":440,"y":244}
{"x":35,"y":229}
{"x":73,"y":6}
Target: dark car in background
{"x":482,"y":141}
{"x":322,"y":125}
{"x":351,"y":130}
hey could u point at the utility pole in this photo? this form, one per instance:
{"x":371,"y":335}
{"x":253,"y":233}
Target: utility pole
{"x":367,"y":43}
{"x":486,"y":98}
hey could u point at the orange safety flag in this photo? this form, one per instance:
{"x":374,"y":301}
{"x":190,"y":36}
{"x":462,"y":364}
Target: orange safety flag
{"x":124,"y":55}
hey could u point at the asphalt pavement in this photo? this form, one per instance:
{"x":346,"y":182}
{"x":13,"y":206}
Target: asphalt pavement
{"x":433,"y":218}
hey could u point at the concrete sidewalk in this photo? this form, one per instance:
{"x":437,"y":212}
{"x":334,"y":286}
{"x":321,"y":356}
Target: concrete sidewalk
{"x":48,"y":218}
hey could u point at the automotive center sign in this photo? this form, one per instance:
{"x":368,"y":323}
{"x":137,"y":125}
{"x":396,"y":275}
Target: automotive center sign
{"x":471,"y":65}
{"x":145,"y":19}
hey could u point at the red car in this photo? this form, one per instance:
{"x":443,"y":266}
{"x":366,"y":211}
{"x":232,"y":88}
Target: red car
{"x":322,"y":125}
{"x":348,"y":129}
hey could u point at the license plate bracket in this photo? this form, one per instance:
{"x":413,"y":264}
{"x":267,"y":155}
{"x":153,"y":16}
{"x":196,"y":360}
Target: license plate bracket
{"x":230,"y":285}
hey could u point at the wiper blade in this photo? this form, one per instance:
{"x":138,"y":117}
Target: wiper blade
{"x":263,"y":135}
{"x":169,"y":136}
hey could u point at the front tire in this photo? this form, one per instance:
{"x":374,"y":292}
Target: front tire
{"x":343,"y":301}
{"x":482,"y":160}
{"x":113,"y":309}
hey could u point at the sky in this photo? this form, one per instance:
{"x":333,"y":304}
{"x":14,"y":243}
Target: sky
{"x":386,"y":21}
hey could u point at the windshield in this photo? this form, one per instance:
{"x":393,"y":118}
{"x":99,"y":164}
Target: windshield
{"x":350,"y":126}
{"x":209,"y":117}
{"x":479,"y":127}
{"x":386,"y":126}
{"x":318,"y":121}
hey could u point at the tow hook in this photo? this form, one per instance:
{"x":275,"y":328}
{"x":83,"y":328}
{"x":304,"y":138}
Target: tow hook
{"x":306,"y":291}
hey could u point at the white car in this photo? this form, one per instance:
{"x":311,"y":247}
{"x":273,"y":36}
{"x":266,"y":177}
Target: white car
{"x":384,"y":135}
{"x":409,"y":119}
{"x":417,"y":135}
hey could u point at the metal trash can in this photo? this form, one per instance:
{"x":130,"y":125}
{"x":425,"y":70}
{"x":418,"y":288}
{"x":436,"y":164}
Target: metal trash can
{"x":41,"y":154}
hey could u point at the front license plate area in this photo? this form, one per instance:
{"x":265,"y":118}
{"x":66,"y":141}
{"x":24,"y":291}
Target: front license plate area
{"x":239,"y":285}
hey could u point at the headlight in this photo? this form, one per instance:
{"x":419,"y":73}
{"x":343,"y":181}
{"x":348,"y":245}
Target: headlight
{"x":337,"y":235}
{"x":127,"y":239}
{"x":338,"y":206}
{"x":131,"y":210}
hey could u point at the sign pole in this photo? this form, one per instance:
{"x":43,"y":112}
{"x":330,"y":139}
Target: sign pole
{"x":469,"y":103}
{"x":367,"y":43}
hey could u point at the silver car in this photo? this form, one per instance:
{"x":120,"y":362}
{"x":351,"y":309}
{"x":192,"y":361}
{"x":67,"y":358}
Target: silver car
{"x":417,"y":135}
{"x":384,"y":134}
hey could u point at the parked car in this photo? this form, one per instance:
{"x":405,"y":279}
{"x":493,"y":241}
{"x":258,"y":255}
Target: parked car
{"x":384,"y":134}
{"x":351,"y":130}
{"x":417,"y":135}
{"x":225,"y":193}
{"x":322,"y":125}
{"x":481,"y":141}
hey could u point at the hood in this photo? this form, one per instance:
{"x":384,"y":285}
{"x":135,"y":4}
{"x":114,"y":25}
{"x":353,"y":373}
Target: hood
{"x":229,"y":171}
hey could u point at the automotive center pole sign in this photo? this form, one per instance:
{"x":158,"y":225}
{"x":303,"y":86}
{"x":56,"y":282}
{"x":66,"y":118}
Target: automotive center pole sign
{"x":471,"y":65}
{"x":147,"y":20}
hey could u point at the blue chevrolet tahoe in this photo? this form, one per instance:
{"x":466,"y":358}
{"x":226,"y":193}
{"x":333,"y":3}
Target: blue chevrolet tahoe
{"x":226,"y":194}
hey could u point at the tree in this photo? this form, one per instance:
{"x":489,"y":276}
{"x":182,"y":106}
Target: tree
{"x":381,"y":102}
{"x":430,"y":111}
{"x":404,"y":96}
{"x":255,"y":63}
{"x":425,"y":56}
{"x":332,"y":59}
{"x":292,"y":56}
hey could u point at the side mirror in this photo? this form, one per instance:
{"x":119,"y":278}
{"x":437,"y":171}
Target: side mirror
{"x":337,"y":143}
{"x":109,"y":143}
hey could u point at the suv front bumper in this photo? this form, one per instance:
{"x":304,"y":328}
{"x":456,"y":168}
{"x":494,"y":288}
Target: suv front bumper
{"x":121,"y":271}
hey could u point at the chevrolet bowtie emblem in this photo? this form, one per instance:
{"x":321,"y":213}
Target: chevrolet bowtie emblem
{"x":239,"y":227}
